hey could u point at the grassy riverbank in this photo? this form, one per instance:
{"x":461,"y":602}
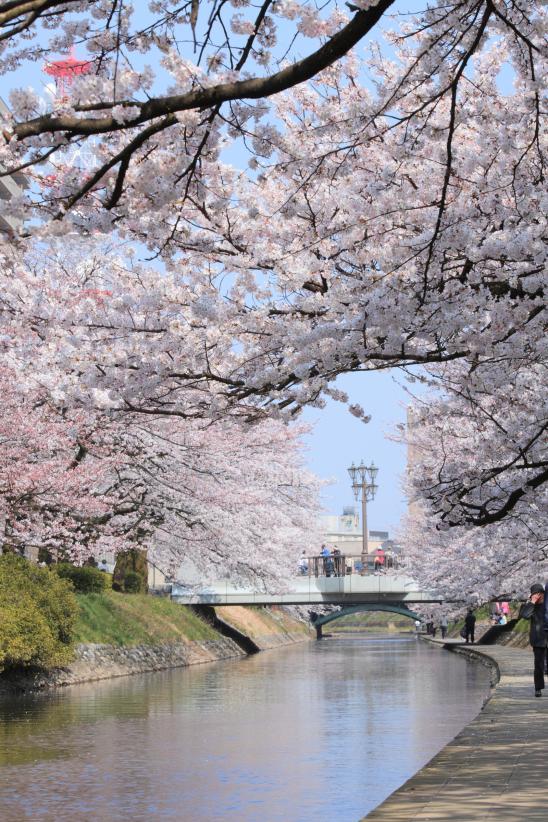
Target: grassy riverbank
{"x":59,"y":637}
{"x":124,"y":620}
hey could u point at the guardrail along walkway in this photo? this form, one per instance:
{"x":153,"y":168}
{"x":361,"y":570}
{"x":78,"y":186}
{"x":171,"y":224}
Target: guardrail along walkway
{"x":496,"y":768}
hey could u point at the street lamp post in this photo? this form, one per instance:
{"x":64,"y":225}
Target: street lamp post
{"x":363,"y":482}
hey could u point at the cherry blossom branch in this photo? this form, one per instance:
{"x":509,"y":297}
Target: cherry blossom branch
{"x":201,"y":98}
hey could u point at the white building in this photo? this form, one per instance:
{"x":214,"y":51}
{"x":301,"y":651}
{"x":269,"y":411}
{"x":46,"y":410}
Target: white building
{"x":345,"y":532}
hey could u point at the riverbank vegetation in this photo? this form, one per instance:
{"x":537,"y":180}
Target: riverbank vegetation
{"x":37,"y":615}
{"x":119,"y":619}
{"x":43,"y":617}
{"x":85,"y":579}
{"x":374,"y":622}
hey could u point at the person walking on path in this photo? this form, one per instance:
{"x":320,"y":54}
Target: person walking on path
{"x":533,"y":609}
{"x":443,"y":627}
{"x":469,"y":626}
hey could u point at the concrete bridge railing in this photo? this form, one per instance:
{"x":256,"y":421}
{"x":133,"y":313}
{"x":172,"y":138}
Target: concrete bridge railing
{"x":352,"y":589}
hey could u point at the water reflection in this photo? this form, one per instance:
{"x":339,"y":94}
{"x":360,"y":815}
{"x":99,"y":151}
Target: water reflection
{"x":317,"y":731}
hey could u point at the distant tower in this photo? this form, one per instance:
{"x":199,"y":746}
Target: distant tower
{"x":65,"y":72}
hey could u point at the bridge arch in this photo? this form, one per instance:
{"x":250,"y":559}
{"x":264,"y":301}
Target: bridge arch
{"x":393,"y":608}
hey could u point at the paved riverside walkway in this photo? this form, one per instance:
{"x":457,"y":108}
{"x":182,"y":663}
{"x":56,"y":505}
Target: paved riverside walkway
{"x":497,"y":766}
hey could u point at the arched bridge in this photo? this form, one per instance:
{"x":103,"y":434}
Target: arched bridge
{"x":395,"y":589}
{"x":394,"y":608}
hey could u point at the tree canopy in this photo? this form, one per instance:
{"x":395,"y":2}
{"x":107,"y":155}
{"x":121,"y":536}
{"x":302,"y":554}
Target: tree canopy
{"x":391,"y":215}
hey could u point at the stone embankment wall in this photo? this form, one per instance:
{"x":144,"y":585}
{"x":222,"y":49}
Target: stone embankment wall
{"x":95,"y":661}
{"x":98,"y":661}
{"x":105,"y":661}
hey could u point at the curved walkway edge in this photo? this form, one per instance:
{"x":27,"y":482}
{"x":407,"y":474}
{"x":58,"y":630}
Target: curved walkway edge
{"x":496,"y":767}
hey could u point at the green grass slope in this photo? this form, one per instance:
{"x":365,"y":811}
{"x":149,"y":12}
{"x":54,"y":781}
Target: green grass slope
{"x":135,"y":619}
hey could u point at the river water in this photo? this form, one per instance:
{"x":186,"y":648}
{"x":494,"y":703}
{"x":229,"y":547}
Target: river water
{"x":317,"y":732}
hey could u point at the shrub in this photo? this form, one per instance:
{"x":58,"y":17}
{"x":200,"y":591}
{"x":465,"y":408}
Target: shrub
{"x":133,"y":583}
{"x":85,"y":579}
{"x":132,"y":560}
{"x":37,"y":615}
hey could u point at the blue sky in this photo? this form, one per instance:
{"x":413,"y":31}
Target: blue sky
{"x":338,"y":439}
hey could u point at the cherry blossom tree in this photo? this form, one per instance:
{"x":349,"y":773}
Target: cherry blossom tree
{"x":47,"y":477}
{"x":83,"y":475}
{"x":475,"y":565}
{"x":393,"y":218}
{"x":220,"y":59}
{"x":483,"y":457}
{"x":233,"y":501}
{"x":479,"y":461}
{"x":219,"y":65}
{"x":370,"y":205}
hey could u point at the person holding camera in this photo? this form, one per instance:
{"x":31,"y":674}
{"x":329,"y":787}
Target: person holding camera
{"x":533,"y":610}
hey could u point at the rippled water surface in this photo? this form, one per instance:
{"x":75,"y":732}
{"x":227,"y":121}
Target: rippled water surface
{"x":317,"y":732}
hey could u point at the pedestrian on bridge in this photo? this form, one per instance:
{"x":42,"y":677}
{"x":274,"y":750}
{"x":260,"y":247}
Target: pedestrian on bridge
{"x":338,"y":562}
{"x":533,"y":609}
{"x":328,"y":565}
{"x":379,"y":560}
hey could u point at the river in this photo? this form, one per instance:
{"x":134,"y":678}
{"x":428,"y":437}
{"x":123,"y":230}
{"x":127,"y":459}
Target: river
{"x":317,"y":732}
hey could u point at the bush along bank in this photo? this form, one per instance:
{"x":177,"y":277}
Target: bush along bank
{"x":115,"y":634}
{"x":38,"y":611}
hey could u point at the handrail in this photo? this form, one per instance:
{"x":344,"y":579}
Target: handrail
{"x":340,"y":565}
